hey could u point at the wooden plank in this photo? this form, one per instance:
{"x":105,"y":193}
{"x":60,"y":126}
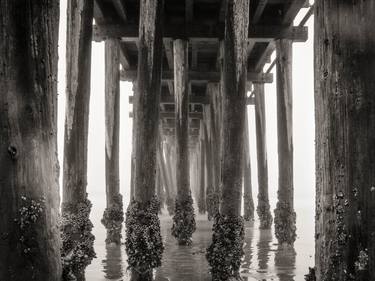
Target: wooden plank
{"x":197,"y":76}
{"x":292,"y":11}
{"x":264,"y":57}
{"x":167,"y":99}
{"x":171,"y":115}
{"x":202,"y":32}
{"x":259,"y":10}
{"x":120,"y":9}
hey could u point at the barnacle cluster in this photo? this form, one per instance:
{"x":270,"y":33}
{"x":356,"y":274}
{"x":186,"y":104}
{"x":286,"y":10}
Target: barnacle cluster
{"x":144,"y":245}
{"x":225,"y":253}
{"x":113,"y":218}
{"x":264,"y":214}
{"x":77,"y":240}
{"x":285,"y":223}
{"x":311,"y":275}
{"x":184,"y":221}
{"x":212,"y":203}
{"x":28,"y":214}
{"x":248,"y":207}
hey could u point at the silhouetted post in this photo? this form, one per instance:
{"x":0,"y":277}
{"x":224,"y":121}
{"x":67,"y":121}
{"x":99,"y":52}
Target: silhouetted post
{"x":263,"y":208}
{"x":209,"y":170}
{"x":183,"y":220}
{"x":248,"y":190}
{"x":76,"y":225}
{"x":29,"y":200}
{"x":285,"y":217}
{"x":228,"y":230}
{"x":202,"y":174}
{"x":345,"y":138}
{"x":113,"y":215}
{"x":142,"y":215}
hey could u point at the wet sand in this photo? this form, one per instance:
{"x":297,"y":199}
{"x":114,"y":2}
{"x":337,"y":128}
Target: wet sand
{"x":263,"y":259}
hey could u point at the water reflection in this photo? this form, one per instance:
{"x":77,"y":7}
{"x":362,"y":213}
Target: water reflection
{"x":285,"y":263}
{"x":263,"y":259}
{"x":112,"y":264}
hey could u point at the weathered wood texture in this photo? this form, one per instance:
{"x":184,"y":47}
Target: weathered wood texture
{"x":285,"y":217}
{"x":181,"y":88}
{"x":29,"y":247}
{"x":345,"y":138}
{"x":78,"y":75}
{"x":234,"y":94}
{"x":263,"y":208}
{"x":112,"y":120}
{"x":147,"y":98}
{"x":248,"y":190}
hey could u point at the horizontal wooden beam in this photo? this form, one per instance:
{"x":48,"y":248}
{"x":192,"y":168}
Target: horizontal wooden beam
{"x":168,"y":99}
{"x":171,"y":115}
{"x":200,"y":76}
{"x":201,"y":32}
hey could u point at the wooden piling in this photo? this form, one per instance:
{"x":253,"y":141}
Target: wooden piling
{"x":229,"y":223}
{"x":113,"y":215}
{"x":76,"y":225}
{"x":142,"y":214}
{"x":285,"y":217}
{"x":345,"y":138}
{"x":183,"y":220}
{"x":29,"y":201}
{"x":263,"y":208}
{"x":248,"y":190}
{"x":202,"y":174}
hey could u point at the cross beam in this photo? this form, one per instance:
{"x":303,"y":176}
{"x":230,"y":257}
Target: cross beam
{"x":201,"y":32}
{"x":200,"y":76}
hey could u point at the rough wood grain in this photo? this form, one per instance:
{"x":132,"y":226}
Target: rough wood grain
{"x":28,"y":140}
{"x":147,"y":98}
{"x":234,"y":86}
{"x":345,"y":138}
{"x":181,"y":88}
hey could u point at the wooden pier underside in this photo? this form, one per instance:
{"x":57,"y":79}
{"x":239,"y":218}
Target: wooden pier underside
{"x":201,"y":22}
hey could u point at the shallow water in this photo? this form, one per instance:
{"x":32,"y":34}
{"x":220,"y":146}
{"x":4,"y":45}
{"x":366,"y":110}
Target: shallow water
{"x":263,"y":259}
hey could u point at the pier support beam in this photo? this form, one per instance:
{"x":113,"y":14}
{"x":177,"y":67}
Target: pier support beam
{"x":142,"y":222}
{"x":183,"y":220}
{"x":228,"y":231}
{"x":29,"y":200}
{"x":285,"y":217}
{"x":248,"y":190}
{"x":76,"y":225}
{"x":202,"y":173}
{"x":113,"y":215}
{"x":345,"y":138}
{"x":210,"y":201}
{"x":263,"y":208}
